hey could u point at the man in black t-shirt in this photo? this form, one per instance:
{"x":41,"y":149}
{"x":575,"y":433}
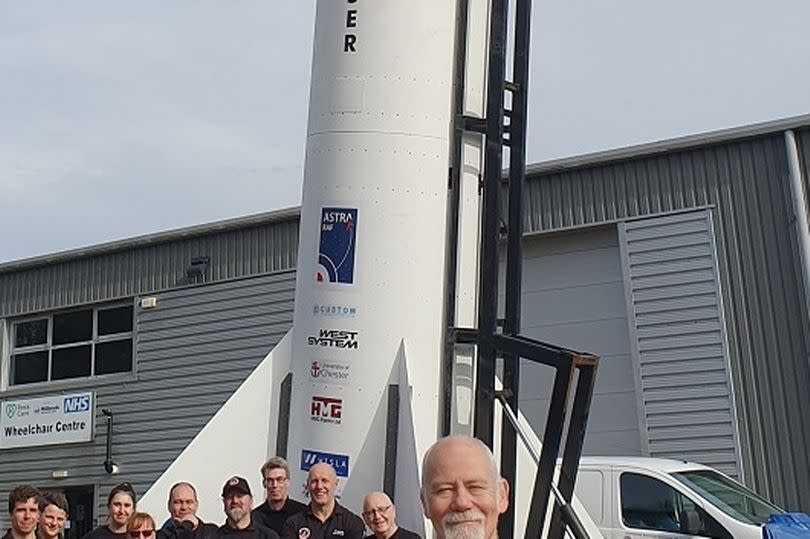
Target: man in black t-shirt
{"x":278,"y":506}
{"x":323,"y":517}
{"x":380,"y":516}
{"x":238,"y":502}
{"x":183,"y":522}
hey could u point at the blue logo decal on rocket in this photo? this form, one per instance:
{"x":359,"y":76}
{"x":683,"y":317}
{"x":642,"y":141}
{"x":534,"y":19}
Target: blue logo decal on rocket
{"x":340,"y":463}
{"x":337,"y":245}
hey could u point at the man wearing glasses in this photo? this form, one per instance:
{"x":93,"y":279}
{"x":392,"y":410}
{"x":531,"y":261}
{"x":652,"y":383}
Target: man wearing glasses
{"x":278,"y":506}
{"x":380,"y":516}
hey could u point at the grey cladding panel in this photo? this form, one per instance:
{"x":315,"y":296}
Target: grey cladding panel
{"x":573,"y":296}
{"x":197,"y":356}
{"x":673,"y":389}
{"x":258,"y":249}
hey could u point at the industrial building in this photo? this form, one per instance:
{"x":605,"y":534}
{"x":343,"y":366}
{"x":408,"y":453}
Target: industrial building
{"x":683,"y":264}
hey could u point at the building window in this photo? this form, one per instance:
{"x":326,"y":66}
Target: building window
{"x":72,"y":344}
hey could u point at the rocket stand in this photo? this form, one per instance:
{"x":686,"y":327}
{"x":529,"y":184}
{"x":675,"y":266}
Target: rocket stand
{"x":500,"y":338}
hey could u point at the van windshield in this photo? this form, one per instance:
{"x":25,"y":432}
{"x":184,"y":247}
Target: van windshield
{"x":729,"y":496}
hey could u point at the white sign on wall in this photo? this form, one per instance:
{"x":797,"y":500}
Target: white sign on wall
{"x":57,"y":419}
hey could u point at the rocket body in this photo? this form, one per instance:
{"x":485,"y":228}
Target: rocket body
{"x":370,"y":289}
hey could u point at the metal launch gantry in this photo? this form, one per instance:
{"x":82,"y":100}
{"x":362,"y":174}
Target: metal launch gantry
{"x":494,"y":337}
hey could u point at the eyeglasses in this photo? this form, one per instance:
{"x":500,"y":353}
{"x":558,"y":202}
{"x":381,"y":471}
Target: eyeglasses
{"x":377,"y":510}
{"x":135,"y":534}
{"x":275,"y":480}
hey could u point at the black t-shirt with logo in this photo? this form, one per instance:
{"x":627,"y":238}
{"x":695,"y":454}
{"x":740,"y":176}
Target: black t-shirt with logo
{"x":267,"y":517}
{"x":103,"y":532}
{"x":341,"y":523}
{"x":254,"y":531}
{"x":401,"y":533}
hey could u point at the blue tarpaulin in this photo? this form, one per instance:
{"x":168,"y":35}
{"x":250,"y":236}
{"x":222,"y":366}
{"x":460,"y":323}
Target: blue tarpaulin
{"x":787,"y":526}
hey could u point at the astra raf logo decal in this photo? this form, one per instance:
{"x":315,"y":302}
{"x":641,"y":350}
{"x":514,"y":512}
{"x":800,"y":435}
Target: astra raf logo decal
{"x":326,"y":410}
{"x":334,"y":338}
{"x":337,"y":246}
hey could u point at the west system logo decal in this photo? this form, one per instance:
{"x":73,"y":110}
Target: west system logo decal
{"x":326,"y":410}
{"x":334,"y":338}
{"x":337,"y":246}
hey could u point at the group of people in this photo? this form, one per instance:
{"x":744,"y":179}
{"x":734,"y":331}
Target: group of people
{"x":461,"y":493}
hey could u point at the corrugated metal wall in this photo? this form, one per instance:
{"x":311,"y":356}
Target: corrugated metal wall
{"x":682,"y":368}
{"x":803,"y":142}
{"x":132,"y":271}
{"x":193,"y":351}
{"x":767,"y":320}
{"x":574,"y":296}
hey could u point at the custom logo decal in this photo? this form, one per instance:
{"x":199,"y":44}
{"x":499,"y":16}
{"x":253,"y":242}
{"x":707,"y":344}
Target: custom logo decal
{"x":337,"y":246}
{"x":334,"y":311}
{"x":329,"y":371}
{"x":326,"y":410}
{"x":11,"y":409}
{"x":334,"y":338}
{"x":340,"y":463}
{"x":303,"y":533}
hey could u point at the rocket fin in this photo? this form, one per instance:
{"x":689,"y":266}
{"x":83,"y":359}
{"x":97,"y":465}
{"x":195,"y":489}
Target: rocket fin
{"x":409,"y":507}
{"x":236,"y":441}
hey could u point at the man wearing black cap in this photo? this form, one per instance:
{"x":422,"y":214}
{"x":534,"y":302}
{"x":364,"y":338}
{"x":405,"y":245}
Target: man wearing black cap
{"x":324,"y":517}
{"x":238,"y":502}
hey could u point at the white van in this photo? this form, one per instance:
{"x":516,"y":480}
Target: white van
{"x":636,"y":497}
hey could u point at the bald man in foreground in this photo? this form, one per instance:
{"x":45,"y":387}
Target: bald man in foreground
{"x":323,"y":517}
{"x":380,"y":516}
{"x":462,"y":493}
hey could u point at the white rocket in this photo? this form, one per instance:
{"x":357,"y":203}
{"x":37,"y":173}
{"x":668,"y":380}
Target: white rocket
{"x":370,"y":290}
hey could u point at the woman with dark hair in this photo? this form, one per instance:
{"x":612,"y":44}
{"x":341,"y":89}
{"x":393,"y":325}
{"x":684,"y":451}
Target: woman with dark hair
{"x":120,"y":506}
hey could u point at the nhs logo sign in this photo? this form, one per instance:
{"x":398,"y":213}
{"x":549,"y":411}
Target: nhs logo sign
{"x":340,"y":463}
{"x":76,"y":403}
{"x":65,"y":418}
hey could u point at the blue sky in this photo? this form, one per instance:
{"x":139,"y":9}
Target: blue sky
{"x":121,"y":119}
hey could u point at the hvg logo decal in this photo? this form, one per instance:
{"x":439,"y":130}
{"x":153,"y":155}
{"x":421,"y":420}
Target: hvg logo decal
{"x":326,"y":409}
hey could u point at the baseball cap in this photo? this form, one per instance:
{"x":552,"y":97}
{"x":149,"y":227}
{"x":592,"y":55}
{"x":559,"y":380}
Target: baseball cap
{"x":236,"y":483}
